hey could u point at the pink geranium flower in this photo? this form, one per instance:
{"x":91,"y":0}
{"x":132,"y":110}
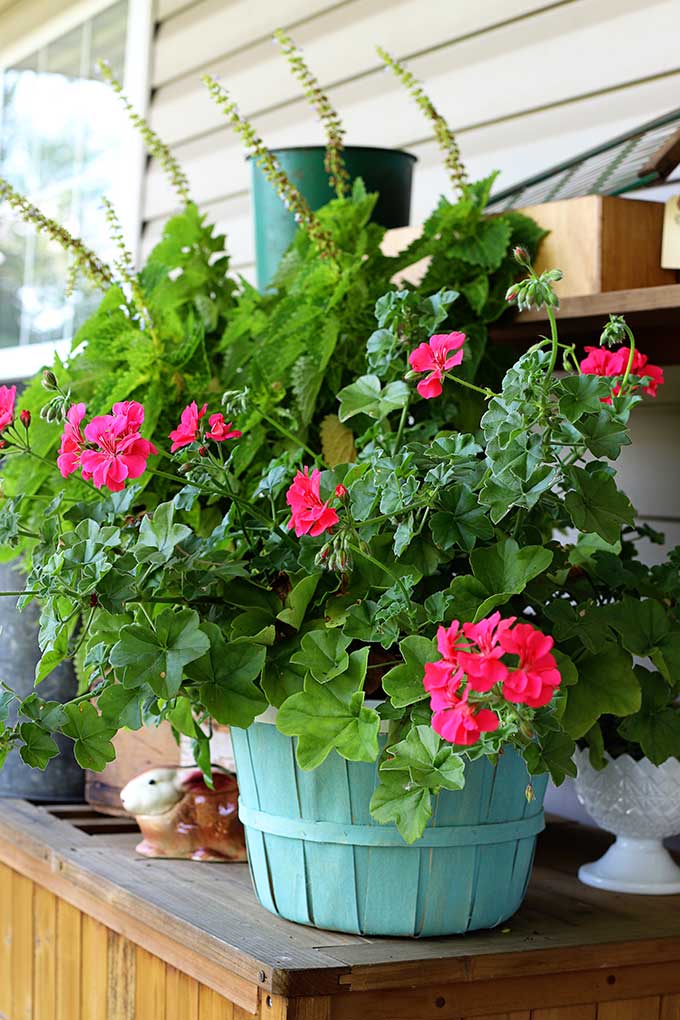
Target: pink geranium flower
{"x":221,"y":430}
{"x":534,"y":681}
{"x":132,"y":411}
{"x":482,"y":665}
{"x":461,"y":724}
{"x":443,"y":678}
{"x":435,"y":358}
{"x":120,"y":452}
{"x":187,"y":430}
{"x":7,"y":398}
{"x":612,"y":364}
{"x":310,"y":515}
{"x":72,"y":441}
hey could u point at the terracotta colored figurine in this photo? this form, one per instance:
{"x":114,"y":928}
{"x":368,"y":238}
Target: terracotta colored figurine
{"x":182,"y":817}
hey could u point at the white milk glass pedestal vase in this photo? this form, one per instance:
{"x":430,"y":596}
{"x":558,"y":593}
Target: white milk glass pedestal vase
{"x":640,"y":803}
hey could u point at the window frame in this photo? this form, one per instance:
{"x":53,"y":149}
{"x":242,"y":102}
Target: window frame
{"x":23,"y":360}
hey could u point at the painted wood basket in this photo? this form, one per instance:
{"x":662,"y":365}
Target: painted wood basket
{"x":317,"y":857}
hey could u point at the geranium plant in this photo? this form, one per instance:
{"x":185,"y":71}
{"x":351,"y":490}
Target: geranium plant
{"x":472,"y":591}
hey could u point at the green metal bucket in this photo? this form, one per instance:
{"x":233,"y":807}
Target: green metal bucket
{"x":318,"y":857}
{"x":387,"y":171}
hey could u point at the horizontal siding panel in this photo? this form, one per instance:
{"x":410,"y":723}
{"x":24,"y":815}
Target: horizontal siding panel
{"x":517,"y":147}
{"x":196,"y":36}
{"x":339,"y":45}
{"x":560,"y":48}
{"x":166,"y":8}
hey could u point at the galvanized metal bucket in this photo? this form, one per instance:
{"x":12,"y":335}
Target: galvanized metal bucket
{"x":317,"y":857}
{"x":63,"y":779}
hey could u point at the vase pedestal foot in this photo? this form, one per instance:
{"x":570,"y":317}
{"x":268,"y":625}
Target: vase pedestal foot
{"x":641,"y":866}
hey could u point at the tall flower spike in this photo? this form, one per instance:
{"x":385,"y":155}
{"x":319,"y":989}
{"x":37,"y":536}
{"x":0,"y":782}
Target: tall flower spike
{"x":85,"y":260}
{"x":443,"y":133}
{"x":272,"y":170}
{"x":124,"y":265}
{"x":328,"y":115}
{"x":155,"y":146}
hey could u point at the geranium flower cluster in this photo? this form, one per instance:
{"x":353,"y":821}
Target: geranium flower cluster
{"x":435,"y":358}
{"x":7,"y":398}
{"x":110,"y":450}
{"x":600,"y":361}
{"x":190,"y":429}
{"x":310,"y":515}
{"x":472,"y":662}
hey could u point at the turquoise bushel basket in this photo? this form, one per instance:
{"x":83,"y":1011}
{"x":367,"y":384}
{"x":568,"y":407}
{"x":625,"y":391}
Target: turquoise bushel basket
{"x":317,"y":857}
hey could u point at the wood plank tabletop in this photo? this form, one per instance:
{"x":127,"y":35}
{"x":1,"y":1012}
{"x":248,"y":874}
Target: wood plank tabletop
{"x":206,"y":916}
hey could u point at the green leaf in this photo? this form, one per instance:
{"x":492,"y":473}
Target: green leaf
{"x":323,"y":653}
{"x":226,"y":676}
{"x":487,"y":246}
{"x":607,"y":685}
{"x":595,"y":504}
{"x":462,"y":521}
{"x":404,"y":683}
{"x":657,"y":733}
{"x":92,"y":735}
{"x":122,"y":706}
{"x":366,"y":396}
{"x":505,"y":570}
{"x":397,"y":800}
{"x":297,"y":600}
{"x":38,"y":747}
{"x":332,"y":715}
{"x":428,"y":760}
{"x":158,"y":535}
{"x":581,"y":394}
{"x":156,"y":655}
{"x":553,"y":753}
{"x":604,"y":434}
{"x":255,"y":626}
{"x":403,"y":535}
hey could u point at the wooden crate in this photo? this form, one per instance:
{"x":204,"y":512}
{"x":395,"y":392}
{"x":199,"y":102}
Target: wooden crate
{"x":602,"y":243}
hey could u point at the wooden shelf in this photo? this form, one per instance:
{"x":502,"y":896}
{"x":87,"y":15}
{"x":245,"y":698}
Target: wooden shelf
{"x":653,"y":313}
{"x":181,"y":932}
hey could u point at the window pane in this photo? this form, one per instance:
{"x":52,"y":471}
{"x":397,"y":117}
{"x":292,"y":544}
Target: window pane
{"x":62,"y":143}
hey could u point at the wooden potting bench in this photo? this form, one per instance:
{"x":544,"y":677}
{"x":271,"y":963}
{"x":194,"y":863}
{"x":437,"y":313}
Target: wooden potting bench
{"x":90,"y":931}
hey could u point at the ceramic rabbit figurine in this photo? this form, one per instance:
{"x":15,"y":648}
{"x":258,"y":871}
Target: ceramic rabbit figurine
{"x":182,"y":817}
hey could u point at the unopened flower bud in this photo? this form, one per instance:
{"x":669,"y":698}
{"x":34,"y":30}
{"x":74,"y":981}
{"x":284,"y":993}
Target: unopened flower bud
{"x":49,"y":380}
{"x":25,"y":418}
{"x":94,"y":599}
{"x":203,"y":451}
{"x":340,"y":491}
{"x":184,"y":469}
{"x":520,"y":255}
{"x":3,"y":444}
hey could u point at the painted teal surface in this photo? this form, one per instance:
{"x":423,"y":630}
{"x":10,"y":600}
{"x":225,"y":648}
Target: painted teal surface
{"x":476,"y":879}
{"x":387,"y":171}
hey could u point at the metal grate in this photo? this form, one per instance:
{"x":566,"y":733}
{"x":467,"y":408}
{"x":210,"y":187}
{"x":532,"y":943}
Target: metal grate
{"x":618,"y":166}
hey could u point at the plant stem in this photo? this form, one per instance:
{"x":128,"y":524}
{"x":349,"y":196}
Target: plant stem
{"x":486,"y":392}
{"x":400,"y":429}
{"x":630,"y":356}
{"x":555,"y":344}
{"x":288,"y":434}
{"x":381,"y":566}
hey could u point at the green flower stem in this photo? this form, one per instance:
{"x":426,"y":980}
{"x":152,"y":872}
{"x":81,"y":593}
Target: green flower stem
{"x":402,"y":423}
{"x":486,"y":392}
{"x":288,"y":434}
{"x":381,"y":566}
{"x":630,"y":356}
{"x":9,"y":594}
{"x":397,"y":513}
{"x":554,"y":339}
